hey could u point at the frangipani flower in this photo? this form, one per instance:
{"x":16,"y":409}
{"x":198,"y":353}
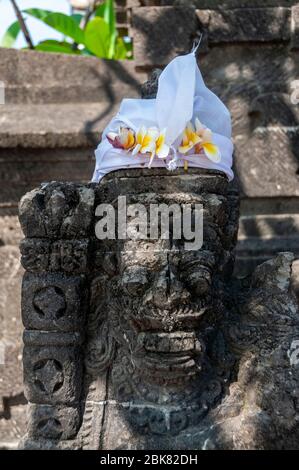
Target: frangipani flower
{"x":146,"y":140}
{"x":206,"y":143}
{"x":151,"y":141}
{"x":190,"y":139}
{"x":124,"y":139}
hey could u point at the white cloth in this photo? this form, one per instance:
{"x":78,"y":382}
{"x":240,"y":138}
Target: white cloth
{"x":182,"y":96}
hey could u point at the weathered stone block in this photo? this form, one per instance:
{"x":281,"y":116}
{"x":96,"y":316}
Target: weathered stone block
{"x":295,"y":27}
{"x":270,"y":170}
{"x":69,"y":256}
{"x":112,"y":185}
{"x":52,"y":375}
{"x":53,"y":422}
{"x":220,"y":4}
{"x":160,"y":33}
{"x":35,"y":254}
{"x":57,"y":211}
{"x":246,"y":24}
{"x":46,"y":444}
{"x":105,"y":82}
{"x":23,"y":170}
{"x":248,"y":71}
{"x":269,"y":225}
{"x":53,"y":302}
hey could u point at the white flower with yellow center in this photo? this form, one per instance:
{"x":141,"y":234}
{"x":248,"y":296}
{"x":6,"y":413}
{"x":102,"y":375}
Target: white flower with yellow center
{"x":206,"y":144}
{"x":151,"y":141}
{"x":190,"y":139}
{"x":124,"y":139}
{"x":146,"y":140}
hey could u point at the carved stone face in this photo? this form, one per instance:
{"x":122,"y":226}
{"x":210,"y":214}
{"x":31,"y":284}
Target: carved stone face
{"x":162,"y":306}
{"x":166,"y":295}
{"x":157,"y":317}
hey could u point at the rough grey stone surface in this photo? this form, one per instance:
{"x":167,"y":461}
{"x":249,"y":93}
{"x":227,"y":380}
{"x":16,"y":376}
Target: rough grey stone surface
{"x":161,"y":33}
{"x":52,"y":302}
{"x":262,"y":24}
{"x":89,"y":79}
{"x":177,"y":353}
{"x":53,"y":422}
{"x":215,"y":4}
{"x":295,"y":27}
{"x":52,"y":373}
{"x":57,"y":211}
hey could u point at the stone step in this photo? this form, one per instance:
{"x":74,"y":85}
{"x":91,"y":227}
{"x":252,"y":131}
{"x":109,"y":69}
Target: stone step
{"x":269,"y":226}
{"x":36,"y":77}
{"x":67,"y":125}
{"x":252,"y":251}
{"x":262,"y":235}
{"x":258,"y":246}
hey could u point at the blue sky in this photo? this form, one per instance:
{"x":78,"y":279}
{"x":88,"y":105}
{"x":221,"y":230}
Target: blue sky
{"x":38,"y":30}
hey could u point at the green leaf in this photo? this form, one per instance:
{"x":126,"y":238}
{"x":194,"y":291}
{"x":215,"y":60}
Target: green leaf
{"x":97,"y":37}
{"x":107,"y":12}
{"x":77,"y":17}
{"x":11,"y":35}
{"x":37,"y":13}
{"x":51,"y":45}
{"x":100,"y":11}
{"x":60,"y":22}
{"x":120,"y":50}
{"x":109,"y":16}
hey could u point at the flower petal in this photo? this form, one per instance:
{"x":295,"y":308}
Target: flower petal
{"x":212,"y":152}
{"x":185,"y":148}
{"x":198,"y":125}
{"x":207,"y":135}
{"x":153,"y":132}
{"x":163,"y":151}
{"x":195,"y":139}
{"x":190,"y":127}
{"x":151,"y":159}
{"x":136,"y":149}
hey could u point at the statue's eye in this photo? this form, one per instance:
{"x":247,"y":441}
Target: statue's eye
{"x":198,"y":278}
{"x":135,"y":280}
{"x":199,"y":281}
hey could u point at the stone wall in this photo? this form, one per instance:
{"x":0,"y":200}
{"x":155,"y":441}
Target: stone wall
{"x":57,"y":106}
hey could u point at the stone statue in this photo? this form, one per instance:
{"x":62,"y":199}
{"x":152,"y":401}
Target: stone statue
{"x":142,"y":344}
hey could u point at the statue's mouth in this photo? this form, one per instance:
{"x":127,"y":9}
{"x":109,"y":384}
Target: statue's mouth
{"x":183,"y":318}
{"x":174,"y":354}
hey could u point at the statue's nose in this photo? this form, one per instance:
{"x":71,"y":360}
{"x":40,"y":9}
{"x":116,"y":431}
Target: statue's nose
{"x":167,"y":291}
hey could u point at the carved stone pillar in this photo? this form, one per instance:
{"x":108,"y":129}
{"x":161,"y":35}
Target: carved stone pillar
{"x":56,"y":220}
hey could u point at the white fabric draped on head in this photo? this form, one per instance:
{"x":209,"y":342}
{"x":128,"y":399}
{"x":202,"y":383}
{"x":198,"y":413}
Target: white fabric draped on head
{"x":182,"y":96}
